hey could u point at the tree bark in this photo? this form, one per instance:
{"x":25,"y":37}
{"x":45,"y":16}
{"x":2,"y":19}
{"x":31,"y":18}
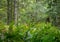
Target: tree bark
{"x":15,"y":12}
{"x":9,"y":11}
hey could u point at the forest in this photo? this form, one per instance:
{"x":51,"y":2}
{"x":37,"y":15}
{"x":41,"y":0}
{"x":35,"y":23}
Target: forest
{"x":29,"y":20}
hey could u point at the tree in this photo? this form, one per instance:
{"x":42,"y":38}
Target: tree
{"x":15,"y":12}
{"x":9,"y":11}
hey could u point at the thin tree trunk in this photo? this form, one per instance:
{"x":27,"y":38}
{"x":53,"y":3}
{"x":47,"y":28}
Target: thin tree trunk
{"x":9,"y":17}
{"x":15,"y":12}
{"x":9,"y":11}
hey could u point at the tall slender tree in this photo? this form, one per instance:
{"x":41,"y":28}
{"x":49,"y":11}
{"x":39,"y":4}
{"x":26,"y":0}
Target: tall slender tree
{"x":15,"y":12}
{"x":9,"y":11}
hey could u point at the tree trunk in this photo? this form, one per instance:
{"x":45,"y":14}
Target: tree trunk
{"x":9,"y":11}
{"x":15,"y":12}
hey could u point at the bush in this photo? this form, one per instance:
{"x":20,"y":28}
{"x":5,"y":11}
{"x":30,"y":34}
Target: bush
{"x":46,"y":33}
{"x":40,"y":32}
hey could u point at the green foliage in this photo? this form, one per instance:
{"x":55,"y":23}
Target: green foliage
{"x":40,"y":32}
{"x":46,"y":33}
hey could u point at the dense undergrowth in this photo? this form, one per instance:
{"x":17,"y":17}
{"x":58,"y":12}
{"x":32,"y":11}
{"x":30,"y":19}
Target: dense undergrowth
{"x":40,"y":32}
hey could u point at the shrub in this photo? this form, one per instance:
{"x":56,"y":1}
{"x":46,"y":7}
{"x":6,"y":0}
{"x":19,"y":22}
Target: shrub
{"x":40,"y":32}
{"x":46,"y":33}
